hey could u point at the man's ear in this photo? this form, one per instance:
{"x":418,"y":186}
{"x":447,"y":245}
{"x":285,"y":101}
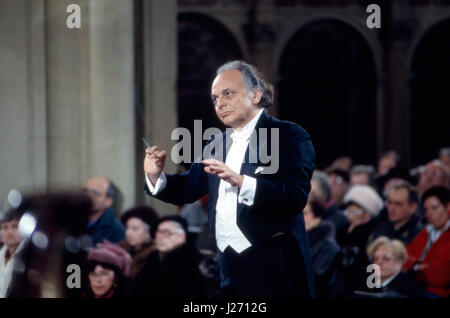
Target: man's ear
{"x":257,"y":95}
{"x":109,"y":202}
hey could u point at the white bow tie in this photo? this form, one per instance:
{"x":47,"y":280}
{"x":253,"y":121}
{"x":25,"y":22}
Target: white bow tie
{"x":237,"y":136}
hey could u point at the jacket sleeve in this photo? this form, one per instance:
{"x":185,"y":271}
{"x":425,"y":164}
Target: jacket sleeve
{"x":186,"y":187}
{"x":287,"y":191}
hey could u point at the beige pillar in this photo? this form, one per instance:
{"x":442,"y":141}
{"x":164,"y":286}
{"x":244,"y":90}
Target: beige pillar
{"x":160,"y":63}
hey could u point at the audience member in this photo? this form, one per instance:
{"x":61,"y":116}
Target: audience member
{"x":340,"y":183}
{"x":13,"y":243}
{"x":173,"y":270}
{"x":108,"y":266}
{"x":102,"y":222}
{"x":139,"y":222}
{"x":363,"y":204}
{"x":444,"y":157}
{"x":390,"y":255}
{"x":388,"y":160}
{"x":429,"y":253}
{"x":437,"y":174}
{"x":402,"y":222}
{"x":321,"y":192}
{"x":324,"y":249}
{"x":362,"y":174}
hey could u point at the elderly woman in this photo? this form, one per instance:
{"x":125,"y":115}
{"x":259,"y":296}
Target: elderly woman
{"x":173,"y":271}
{"x":429,"y":252}
{"x":363,"y":204}
{"x":140,"y":222}
{"x":390,"y":255}
{"x":12,"y":245}
{"x":108,"y":267}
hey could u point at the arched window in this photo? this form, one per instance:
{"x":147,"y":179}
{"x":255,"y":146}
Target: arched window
{"x":327,"y":85}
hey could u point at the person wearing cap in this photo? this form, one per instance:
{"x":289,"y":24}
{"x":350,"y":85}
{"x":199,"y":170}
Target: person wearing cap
{"x":139,"y":223}
{"x":13,"y":243}
{"x":173,"y":270}
{"x":108,"y":266}
{"x":363,"y":204}
{"x":429,"y":253}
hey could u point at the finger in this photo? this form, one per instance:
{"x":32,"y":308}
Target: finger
{"x":211,"y":171}
{"x":211,"y":161}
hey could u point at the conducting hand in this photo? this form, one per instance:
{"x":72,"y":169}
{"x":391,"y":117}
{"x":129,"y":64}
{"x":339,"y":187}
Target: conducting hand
{"x":154,"y":163}
{"x":221,"y":170}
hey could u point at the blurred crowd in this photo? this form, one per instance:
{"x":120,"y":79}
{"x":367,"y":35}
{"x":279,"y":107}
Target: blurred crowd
{"x":73,"y":244}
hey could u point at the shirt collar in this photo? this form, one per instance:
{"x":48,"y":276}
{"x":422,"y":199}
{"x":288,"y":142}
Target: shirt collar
{"x":248,"y":129}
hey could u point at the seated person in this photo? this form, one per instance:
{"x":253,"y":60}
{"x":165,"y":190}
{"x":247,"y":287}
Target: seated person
{"x":390,"y":255}
{"x":139,"y":222}
{"x":429,"y":253}
{"x":173,"y":270}
{"x":363,"y":206}
{"x":103,"y":225}
{"x":13,"y":243}
{"x":321,"y":192}
{"x":324,"y":249}
{"x":403,"y":222}
{"x":108,"y":266}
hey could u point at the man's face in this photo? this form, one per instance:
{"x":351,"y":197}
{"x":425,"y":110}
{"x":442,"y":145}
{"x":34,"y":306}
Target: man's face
{"x":435,"y":212}
{"x":385,"y":164}
{"x":359,"y":178}
{"x":234,"y":104}
{"x":384,"y":257}
{"x":436,"y":175}
{"x":10,"y":233}
{"x":169,"y":236}
{"x":338,"y":186}
{"x":398,"y":206}
{"x":97,"y":189}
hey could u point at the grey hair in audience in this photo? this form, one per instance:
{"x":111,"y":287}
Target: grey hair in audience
{"x":324,"y":184}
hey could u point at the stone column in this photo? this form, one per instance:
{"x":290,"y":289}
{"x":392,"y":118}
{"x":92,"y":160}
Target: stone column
{"x":23,"y":118}
{"x":160,"y":69}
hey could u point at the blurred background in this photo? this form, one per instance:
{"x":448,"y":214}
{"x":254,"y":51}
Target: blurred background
{"x":75,"y":103}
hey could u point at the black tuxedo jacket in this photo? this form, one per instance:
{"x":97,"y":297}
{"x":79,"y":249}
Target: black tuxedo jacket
{"x":279,"y":198}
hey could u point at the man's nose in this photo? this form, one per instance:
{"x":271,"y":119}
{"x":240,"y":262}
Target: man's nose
{"x":220,"y":102}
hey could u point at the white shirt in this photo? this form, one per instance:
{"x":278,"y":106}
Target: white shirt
{"x":6,"y":270}
{"x":227,"y":231}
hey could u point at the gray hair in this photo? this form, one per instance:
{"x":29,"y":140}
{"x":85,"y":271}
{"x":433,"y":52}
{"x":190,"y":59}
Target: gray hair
{"x":253,"y":80}
{"x":324,"y":184}
{"x":444,"y":151}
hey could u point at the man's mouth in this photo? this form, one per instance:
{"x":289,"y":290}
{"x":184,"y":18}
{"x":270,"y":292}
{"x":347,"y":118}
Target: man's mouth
{"x":224,"y":114}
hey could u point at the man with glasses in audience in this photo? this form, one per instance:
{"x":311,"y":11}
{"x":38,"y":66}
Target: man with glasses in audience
{"x":102,"y":222}
{"x":402,"y":223}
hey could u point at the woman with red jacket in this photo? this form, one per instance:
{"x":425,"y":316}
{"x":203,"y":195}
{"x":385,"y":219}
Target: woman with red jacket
{"x":429,"y":252}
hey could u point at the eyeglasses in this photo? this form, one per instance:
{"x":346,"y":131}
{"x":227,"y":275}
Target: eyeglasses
{"x":92,"y":192}
{"x":384,"y":257}
{"x":354,"y":212}
{"x":167,"y":232}
{"x":102,"y":274}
